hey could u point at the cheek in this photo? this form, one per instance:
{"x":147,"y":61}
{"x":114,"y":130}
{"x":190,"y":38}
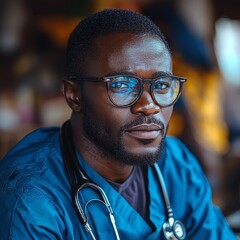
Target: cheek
{"x":101,"y":108}
{"x":167,"y":113}
{"x":114,"y":119}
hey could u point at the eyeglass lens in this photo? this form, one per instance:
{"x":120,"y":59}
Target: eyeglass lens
{"x":125,"y":90}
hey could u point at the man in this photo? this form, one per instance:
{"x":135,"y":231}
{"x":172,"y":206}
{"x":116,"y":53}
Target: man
{"x":121,"y":90}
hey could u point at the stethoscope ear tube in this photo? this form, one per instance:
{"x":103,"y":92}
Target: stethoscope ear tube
{"x":79,"y":180}
{"x":66,"y":142}
{"x":68,"y":153}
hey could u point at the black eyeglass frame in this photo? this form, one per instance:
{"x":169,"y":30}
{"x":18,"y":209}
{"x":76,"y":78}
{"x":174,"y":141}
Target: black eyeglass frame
{"x":108,"y":79}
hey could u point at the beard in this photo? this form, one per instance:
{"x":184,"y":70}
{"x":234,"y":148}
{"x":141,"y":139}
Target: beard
{"x":99,"y":134}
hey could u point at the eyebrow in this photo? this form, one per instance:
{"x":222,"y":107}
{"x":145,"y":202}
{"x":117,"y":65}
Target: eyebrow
{"x":162,"y":73}
{"x":156,"y":74}
{"x":120,"y":73}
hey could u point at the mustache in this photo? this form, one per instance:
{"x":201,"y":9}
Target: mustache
{"x":143,"y":120}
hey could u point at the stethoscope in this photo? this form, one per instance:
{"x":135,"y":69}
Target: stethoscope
{"x":172,"y":229}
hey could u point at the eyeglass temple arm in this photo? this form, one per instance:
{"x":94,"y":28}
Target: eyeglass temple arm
{"x":90,"y":79}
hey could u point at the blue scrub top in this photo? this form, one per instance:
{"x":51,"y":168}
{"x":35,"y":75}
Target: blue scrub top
{"x":35,"y":196}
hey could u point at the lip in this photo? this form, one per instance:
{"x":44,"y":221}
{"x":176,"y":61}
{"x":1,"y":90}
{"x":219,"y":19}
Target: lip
{"x":145,"y":131}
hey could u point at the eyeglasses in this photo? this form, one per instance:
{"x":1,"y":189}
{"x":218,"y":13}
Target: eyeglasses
{"x":125,"y":90}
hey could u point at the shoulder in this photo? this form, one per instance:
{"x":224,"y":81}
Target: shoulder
{"x":176,"y":146}
{"x":42,"y":140}
{"x":32,"y":177}
{"x":34,"y":140}
{"x":181,"y":168}
{"x":179,"y":154}
{"x":30,"y":160}
{"x":29,"y":214}
{"x":191,"y":198}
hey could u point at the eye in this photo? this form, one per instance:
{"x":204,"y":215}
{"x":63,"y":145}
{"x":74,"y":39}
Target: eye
{"x":124,"y":85}
{"x":120,"y":84}
{"x":161,"y":86}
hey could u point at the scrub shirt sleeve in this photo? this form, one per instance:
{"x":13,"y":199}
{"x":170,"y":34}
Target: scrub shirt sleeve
{"x":203,"y":220}
{"x":31,"y":215}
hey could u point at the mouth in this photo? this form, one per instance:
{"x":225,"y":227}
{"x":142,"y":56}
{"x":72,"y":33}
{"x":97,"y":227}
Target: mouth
{"x":145,"y":131}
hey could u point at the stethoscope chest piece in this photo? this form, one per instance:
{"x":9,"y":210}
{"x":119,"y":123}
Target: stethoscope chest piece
{"x":175,"y":231}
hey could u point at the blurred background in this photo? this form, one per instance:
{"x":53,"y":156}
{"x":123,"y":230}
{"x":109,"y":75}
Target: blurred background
{"x":204,"y":36}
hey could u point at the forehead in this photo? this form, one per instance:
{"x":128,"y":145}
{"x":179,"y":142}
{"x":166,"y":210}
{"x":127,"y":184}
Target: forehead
{"x":125,"y":52}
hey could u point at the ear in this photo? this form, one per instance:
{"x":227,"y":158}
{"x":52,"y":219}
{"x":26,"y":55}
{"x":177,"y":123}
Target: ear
{"x":72,"y":93}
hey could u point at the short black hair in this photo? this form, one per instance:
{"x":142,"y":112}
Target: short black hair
{"x":81,"y":41}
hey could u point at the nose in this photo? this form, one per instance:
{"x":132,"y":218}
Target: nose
{"x":145,"y":105}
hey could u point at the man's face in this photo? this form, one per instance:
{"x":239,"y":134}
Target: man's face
{"x":133,"y":135}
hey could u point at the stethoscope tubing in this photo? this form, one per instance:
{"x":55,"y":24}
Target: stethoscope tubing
{"x":78,"y":180}
{"x":171,"y":227}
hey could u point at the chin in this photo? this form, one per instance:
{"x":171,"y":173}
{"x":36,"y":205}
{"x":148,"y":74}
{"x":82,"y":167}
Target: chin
{"x":142,"y":153}
{"x":146,"y":150}
{"x":141,"y":156}
{"x":144,"y":147}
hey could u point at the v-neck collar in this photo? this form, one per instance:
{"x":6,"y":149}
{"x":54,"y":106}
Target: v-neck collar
{"x":123,"y":211}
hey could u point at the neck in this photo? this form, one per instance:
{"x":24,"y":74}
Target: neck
{"x":108,"y":167}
